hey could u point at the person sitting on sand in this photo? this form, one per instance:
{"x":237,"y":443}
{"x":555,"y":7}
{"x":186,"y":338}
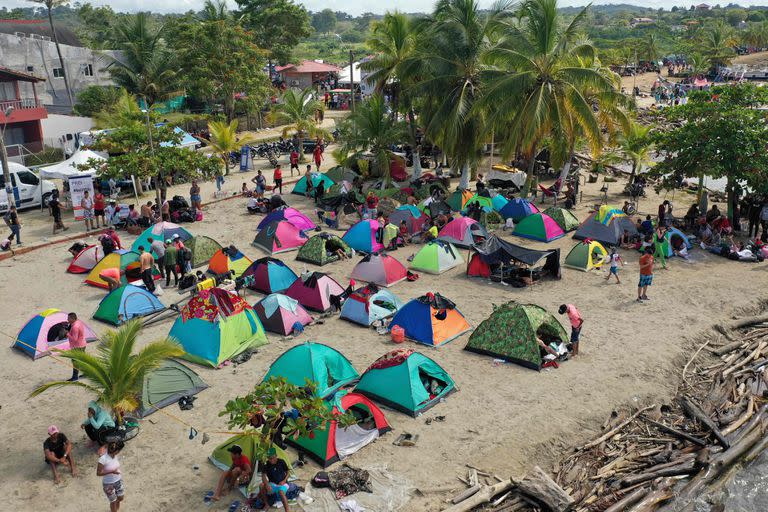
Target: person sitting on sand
{"x":274,"y":479}
{"x":58,"y":450}
{"x":98,"y":423}
{"x":239,"y":473}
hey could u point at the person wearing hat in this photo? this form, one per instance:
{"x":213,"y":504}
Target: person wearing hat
{"x":239,"y":473}
{"x":58,"y":450}
{"x":274,"y":478}
{"x":171,"y":259}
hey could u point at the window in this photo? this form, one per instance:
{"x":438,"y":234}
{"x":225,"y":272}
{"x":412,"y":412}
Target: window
{"x":27,"y":178}
{"x":87,"y":70}
{"x":30,"y":69}
{"x":58,"y":72}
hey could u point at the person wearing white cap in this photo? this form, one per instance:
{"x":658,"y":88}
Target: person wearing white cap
{"x":58,"y":450}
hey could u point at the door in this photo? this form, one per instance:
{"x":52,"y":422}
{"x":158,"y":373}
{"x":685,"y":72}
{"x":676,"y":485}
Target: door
{"x":29,"y":187}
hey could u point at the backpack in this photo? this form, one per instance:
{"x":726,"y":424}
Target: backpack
{"x":107,"y":243}
{"x":186,"y":254}
{"x":188,"y":281}
{"x":321,"y":479}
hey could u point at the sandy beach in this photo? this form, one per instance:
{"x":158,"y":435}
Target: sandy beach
{"x":505,"y":418}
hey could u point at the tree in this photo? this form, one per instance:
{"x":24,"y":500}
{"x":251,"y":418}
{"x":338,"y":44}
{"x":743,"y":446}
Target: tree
{"x":636,"y":145}
{"x":650,"y":47}
{"x":97,"y":25}
{"x":94,"y":99}
{"x":115,"y":374}
{"x":277,"y":26}
{"x":324,"y":21}
{"x":49,"y":5}
{"x":223,"y":140}
{"x":215,"y":10}
{"x":716,"y":44}
{"x":297,"y":111}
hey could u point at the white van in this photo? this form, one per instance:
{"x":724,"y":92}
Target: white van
{"x":33,"y":191}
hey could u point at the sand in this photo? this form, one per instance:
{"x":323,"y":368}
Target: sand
{"x":505,"y":418}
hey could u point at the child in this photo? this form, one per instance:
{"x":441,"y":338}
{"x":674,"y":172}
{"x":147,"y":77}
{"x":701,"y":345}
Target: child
{"x":614,"y":260}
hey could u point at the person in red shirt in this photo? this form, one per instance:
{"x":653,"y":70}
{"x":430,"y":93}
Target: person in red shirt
{"x":574,"y":316}
{"x":99,"y":205}
{"x":76,"y":337}
{"x":115,"y":238}
{"x":239,"y":473}
{"x":646,"y":274}
{"x":295,"y":161}
{"x":318,"y":156}
{"x":278,"y":179}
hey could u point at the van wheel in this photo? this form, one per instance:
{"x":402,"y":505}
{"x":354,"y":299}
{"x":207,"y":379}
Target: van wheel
{"x":46,"y":199}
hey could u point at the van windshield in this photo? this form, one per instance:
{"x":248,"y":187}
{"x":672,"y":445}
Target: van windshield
{"x":27,"y":178}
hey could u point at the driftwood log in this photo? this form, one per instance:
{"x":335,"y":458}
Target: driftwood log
{"x":538,"y":485}
{"x":695,"y":412}
{"x":480,"y":497}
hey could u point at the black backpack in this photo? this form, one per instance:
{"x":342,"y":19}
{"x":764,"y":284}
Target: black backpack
{"x":107,"y":243}
{"x":188,"y":281}
{"x":321,"y":480}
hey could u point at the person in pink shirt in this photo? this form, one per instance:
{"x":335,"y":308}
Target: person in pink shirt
{"x":76,"y":337}
{"x":574,"y":316}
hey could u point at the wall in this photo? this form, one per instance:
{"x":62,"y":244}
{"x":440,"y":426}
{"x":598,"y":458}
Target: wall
{"x":59,"y":130}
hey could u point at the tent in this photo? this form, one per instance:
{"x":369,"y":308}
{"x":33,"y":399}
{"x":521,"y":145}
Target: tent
{"x":671,"y":234}
{"x":338,"y":174}
{"x":483,"y":201}
{"x":331,"y":443}
{"x":164,"y":386}
{"x":161,"y":231}
{"x":203,"y":248}
{"x":609,"y":234}
{"x":538,"y":226}
{"x":498,"y":202}
{"x":564,"y":218}
{"x":292,"y":215}
{"x":369,"y":304}
{"x":222,"y":459}
{"x":314,"y":362}
{"x":435,"y":208}
{"x":362,"y":236}
{"x":510,"y":333}
{"x":129,"y":301}
{"x":279,"y":313}
{"x":314,"y":292}
{"x":69,"y":167}
{"x":126,"y":261}
{"x":45,"y":331}
{"x":458,"y":198}
{"x":380,"y":269}
{"x":517,"y":209}
{"x":496,"y":251}
{"x":279,"y":236}
{"x":430,"y":319}
{"x":268,"y":275}
{"x":586,"y":255}
{"x":228,"y":259}
{"x":402,"y":379}
{"x":463,"y":232}
{"x":413,"y":217}
{"x":436,"y":257}
{"x":317,"y":179}
{"x":606,"y":214}
{"x":85,"y":260}
{"x":216,"y":325}
{"x":321,"y":249}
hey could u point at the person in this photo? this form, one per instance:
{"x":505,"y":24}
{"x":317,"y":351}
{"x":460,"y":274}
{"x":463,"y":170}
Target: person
{"x":133,"y":216}
{"x":115,"y":238}
{"x":404,"y":235}
{"x":146,"y":215}
{"x":261,"y":183}
{"x":165,"y":210}
{"x":764,"y":219}
{"x":158,"y":247}
{"x":646,"y":275}
{"x":194,"y":195}
{"x":170,"y":260}
{"x":317,"y":155}
{"x":244,"y":190}
{"x":691,"y":215}
{"x":108,"y":468}
{"x":308,"y":178}
{"x":147,"y":263}
{"x":577,"y":321}
{"x":614,"y":260}
{"x":76,"y":337}
{"x":431,"y":232}
{"x":753,"y":215}
{"x":87,"y":206}
{"x":480,"y":184}
{"x":110,"y":213}
{"x":662,"y":212}
{"x":371,"y":203}
{"x":98,"y":423}
{"x":647,"y":225}
{"x":219,"y":181}
{"x":659,"y":238}
{"x":12,"y":219}
{"x":294,"y":158}
{"x":112,"y":277}
{"x":239,"y":473}
{"x":713,"y":213}
{"x":99,"y":205}
{"x":55,"y":205}
{"x":274,"y":478}
{"x":58,"y":450}
{"x":277,"y":177}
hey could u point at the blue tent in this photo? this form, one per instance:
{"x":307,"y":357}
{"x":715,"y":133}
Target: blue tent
{"x":674,"y":232}
{"x":301,"y":186}
{"x":129,"y":301}
{"x":269,"y":275}
{"x":362,"y":236}
{"x":430,"y":319}
{"x":499,"y":201}
{"x":369,"y":304}
{"x":518,"y":209}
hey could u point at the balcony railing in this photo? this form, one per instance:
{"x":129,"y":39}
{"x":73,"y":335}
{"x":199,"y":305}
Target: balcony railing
{"x":21,"y":104}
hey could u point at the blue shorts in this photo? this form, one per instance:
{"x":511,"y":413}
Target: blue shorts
{"x":615,"y":270}
{"x":575,"y":333}
{"x":275,"y":489}
{"x":645,"y":280}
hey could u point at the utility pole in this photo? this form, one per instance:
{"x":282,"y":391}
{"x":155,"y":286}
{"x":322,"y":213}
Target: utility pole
{"x":352,"y":79}
{"x":4,"y":160}
{"x":152,"y":150}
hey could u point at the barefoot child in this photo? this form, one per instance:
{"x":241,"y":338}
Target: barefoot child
{"x":614,"y":260}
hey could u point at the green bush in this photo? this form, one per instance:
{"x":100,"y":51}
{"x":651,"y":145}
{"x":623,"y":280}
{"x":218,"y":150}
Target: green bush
{"x":94,"y":99}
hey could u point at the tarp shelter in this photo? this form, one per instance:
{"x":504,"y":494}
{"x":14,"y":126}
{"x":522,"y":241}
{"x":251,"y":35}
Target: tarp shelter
{"x":125,"y":303}
{"x":314,"y":362}
{"x":510,"y":333}
{"x":161,"y":231}
{"x":362,"y":236}
{"x":538,"y":226}
{"x":586,"y":255}
{"x":317,"y":180}
{"x":338,"y":174}
{"x":672,"y":235}
{"x":187,"y":140}
{"x":380,"y":269}
{"x":413,"y":217}
{"x":606,"y":214}
{"x":69,"y":167}
{"x":517,"y":209}
{"x":406,"y":381}
{"x":497,"y":251}
{"x":332,"y":443}
{"x":228,"y":259}
{"x":505,"y":176}
{"x":203,"y":248}
{"x":86,"y":260}
{"x":610,"y":234}
{"x":430,"y":319}
{"x":322,"y":248}
{"x":279,"y":313}
{"x":222,"y":459}
{"x":315,"y":291}
{"x":216,"y":325}
{"x":564,"y":218}
{"x":45,"y":331}
{"x":458,"y":198}
{"x":279,"y":236}
{"x":269,"y":275}
{"x":436,"y":257}
{"x":126,"y":261}
{"x":292,"y":215}
{"x":463,"y":232}
{"x":369,"y":304}
{"x":164,"y":386}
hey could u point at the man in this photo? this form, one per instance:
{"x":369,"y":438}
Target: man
{"x":239,"y":473}
{"x":308,"y":177}
{"x":574,"y":316}
{"x":295,"y":161}
{"x":277,"y":177}
{"x":158,"y":247}
{"x":76,"y":337}
{"x":171,"y":258}
{"x":55,"y":205}
{"x":146,"y":214}
{"x":647,"y":225}
{"x":646,"y":275}
{"x":274,"y":479}
{"x":99,"y":205}
{"x":147,"y":265}
{"x":12,"y":219}
{"x":58,"y":450}
{"x":110,"y":214}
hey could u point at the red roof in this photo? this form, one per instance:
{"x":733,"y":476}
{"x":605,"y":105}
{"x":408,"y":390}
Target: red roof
{"x":309,"y":66}
{"x":19,"y":75}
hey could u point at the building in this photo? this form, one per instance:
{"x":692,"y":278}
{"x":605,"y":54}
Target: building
{"x":307,"y":74}
{"x":702,"y":7}
{"x":641,"y":21}
{"x":19,"y":99}
{"x":27,"y":46}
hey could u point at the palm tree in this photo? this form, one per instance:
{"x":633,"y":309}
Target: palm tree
{"x":636,"y":145}
{"x":224,"y":140}
{"x":115,"y":374}
{"x":49,"y":6}
{"x":297,"y":111}
{"x":717,"y":44}
{"x":698,"y":64}
{"x":650,"y":47}
{"x":123,"y":112}
{"x":215,"y":10}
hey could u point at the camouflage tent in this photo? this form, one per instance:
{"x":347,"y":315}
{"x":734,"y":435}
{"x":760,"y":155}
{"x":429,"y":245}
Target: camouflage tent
{"x":203,"y":248}
{"x":321,"y":249}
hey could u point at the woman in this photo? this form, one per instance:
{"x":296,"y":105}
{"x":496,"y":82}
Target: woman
{"x":112,"y":479}
{"x":87,"y":206}
{"x":658,"y":245}
{"x":194,"y":195}
{"x":98,"y":423}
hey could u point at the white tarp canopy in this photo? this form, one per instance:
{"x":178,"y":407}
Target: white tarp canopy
{"x":68,"y":168}
{"x":344,"y":74}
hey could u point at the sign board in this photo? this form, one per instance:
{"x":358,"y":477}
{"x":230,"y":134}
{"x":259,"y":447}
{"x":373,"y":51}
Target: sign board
{"x":77,"y":187}
{"x":245,"y":154}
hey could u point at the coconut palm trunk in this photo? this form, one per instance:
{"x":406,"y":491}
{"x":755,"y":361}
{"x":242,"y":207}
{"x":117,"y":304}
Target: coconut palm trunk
{"x":529,"y":173}
{"x":50,"y":4}
{"x":565,"y":170}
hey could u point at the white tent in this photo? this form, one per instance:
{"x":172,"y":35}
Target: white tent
{"x":68,"y":168}
{"x":360,"y":77}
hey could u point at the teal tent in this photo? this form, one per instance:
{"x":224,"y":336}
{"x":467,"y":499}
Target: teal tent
{"x":314,"y":362}
{"x":317,"y":180}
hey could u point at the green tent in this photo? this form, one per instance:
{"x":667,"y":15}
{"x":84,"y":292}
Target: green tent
{"x":317,"y":180}
{"x":437,"y":257}
{"x":586,"y":256}
{"x":564,"y":218}
{"x":481,"y":200}
{"x":164,"y":386}
{"x":321,"y":249}
{"x":314,"y":362}
{"x":458,"y":198}
{"x":338,"y":174}
{"x":203,"y":248}
{"x":125,"y":303}
{"x":510,"y":333}
{"x":222,"y":459}
{"x":402,"y":380}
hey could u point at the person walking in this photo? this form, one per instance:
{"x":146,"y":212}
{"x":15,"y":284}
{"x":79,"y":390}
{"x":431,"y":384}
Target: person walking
{"x":646,"y":275}
{"x":170,"y":262}
{"x":12,"y":220}
{"x":87,"y":205}
{"x":577,"y":321}
{"x":317,"y":154}
{"x":147,"y":265}
{"x":294,"y":158}
{"x":277,"y":177}
{"x":614,"y":259}
{"x":194,"y":196}
{"x":659,"y":237}
{"x":112,"y":479}
{"x":55,"y":206}
{"x":158,"y":247}
{"x":76,"y":337}
{"x":310,"y":187}
{"x":99,"y":205}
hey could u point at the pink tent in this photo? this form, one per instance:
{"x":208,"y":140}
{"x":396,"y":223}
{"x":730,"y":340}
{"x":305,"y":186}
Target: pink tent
{"x":46,"y":331}
{"x":380,"y":269}
{"x":291,"y":215}
{"x":279,"y":313}
{"x":86,"y":260}
{"x":279,"y":236}
{"x":315,"y":291}
{"x":463,"y":232}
